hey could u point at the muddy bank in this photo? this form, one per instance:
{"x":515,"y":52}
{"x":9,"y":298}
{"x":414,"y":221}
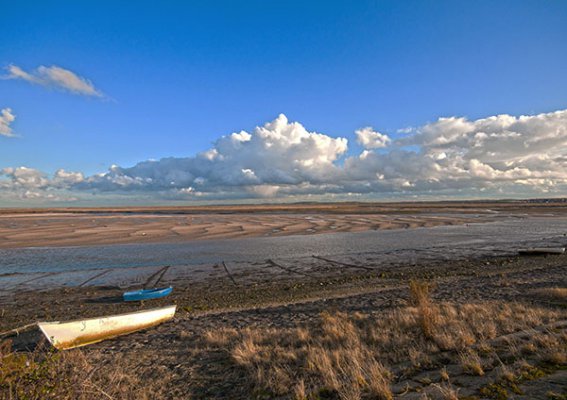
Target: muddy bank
{"x":193,"y":355}
{"x":488,"y":276}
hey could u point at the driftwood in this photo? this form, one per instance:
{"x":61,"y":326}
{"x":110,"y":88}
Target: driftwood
{"x":94,"y":277}
{"x":228,"y":273}
{"x":17,"y":330}
{"x":155,"y":274}
{"x":288,"y":269}
{"x":542,"y":250}
{"x":342,"y":263}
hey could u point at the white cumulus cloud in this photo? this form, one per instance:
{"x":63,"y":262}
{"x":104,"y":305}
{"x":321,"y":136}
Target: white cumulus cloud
{"x":502,"y":155}
{"x":23,"y":183}
{"x":23,"y":177}
{"x":370,"y":139}
{"x":55,"y":77}
{"x":277,"y":153}
{"x":6,"y":119}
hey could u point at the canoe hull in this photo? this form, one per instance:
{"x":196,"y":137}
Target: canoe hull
{"x":140,"y":295}
{"x":68,"y":335}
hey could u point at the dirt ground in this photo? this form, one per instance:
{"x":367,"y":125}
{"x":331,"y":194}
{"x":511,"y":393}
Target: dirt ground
{"x":174,"y":354}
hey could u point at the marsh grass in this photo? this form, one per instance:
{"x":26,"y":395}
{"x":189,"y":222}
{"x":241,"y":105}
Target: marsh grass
{"x":420,"y":292}
{"x":49,"y":374}
{"x":471,"y":362}
{"x":557,"y":294}
{"x":420,"y":297}
{"x":446,"y":391}
{"x":331,"y":358}
{"x":335,"y":356}
{"x":350,"y":356}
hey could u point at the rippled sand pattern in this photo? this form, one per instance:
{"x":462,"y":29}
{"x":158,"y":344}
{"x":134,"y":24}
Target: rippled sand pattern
{"x":71,"y":229}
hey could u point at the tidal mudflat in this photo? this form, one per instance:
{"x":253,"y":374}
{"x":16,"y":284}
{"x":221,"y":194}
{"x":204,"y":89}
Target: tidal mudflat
{"x":92,"y":226}
{"x":419,"y":310}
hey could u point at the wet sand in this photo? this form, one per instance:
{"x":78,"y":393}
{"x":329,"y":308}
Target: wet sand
{"x":79,"y":230}
{"x":84,"y":227}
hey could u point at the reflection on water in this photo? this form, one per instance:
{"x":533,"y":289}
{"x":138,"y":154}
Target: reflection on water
{"x":502,"y":235}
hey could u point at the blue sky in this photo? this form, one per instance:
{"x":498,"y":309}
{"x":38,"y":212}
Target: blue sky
{"x":176,"y":76}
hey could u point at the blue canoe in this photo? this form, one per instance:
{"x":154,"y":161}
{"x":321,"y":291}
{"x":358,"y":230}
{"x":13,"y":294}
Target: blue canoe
{"x":147,"y":294}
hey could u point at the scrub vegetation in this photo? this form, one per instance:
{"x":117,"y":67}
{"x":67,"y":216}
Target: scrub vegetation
{"x":437,"y":349}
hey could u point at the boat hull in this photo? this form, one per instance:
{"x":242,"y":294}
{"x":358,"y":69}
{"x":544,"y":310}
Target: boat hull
{"x":140,"y":295}
{"x":68,"y":335}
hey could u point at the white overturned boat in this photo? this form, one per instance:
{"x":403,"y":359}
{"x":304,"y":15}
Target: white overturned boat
{"x":67,"y":335}
{"x":542,"y":250}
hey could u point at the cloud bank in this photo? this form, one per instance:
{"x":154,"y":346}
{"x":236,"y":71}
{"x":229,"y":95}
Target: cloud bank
{"x":6,"y":119}
{"x":498,"y":156}
{"x":55,"y":77}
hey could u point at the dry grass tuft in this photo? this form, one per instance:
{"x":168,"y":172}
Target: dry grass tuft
{"x":347,"y":355}
{"x":557,"y":293}
{"x":420,"y":297}
{"x":300,"y":391}
{"x":220,"y":337}
{"x":447,"y":392}
{"x":471,"y":362}
{"x":331,"y":358}
{"x":420,"y":292}
{"x":444,"y":374}
{"x":504,"y":373}
{"x":74,"y":374}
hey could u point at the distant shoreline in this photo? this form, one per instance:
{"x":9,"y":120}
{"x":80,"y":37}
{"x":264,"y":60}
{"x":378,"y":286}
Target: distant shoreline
{"x":339,"y":207}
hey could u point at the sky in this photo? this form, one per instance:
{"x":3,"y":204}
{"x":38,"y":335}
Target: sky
{"x":116,"y":103}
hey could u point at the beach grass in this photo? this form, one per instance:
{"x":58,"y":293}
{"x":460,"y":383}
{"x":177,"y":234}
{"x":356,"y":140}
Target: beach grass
{"x":497,"y":345}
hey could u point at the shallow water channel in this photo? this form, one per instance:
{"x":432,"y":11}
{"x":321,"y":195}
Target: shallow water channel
{"x":502,"y":236}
